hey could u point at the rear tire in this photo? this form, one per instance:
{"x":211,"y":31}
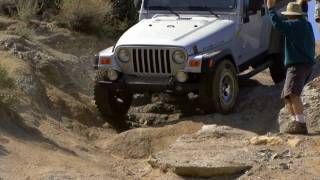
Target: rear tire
{"x":277,"y":69}
{"x":220,"y":89}
{"x":276,"y":49}
{"x":112,"y":104}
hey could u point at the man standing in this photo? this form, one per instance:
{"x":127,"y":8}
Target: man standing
{"x":299,"y":60}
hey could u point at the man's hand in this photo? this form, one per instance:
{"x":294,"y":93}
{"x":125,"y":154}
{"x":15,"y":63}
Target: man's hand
{"x":303,"y":1}
{"x":271,"y":3}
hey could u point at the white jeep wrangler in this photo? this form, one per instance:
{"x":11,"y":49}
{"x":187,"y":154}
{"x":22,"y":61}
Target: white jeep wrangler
{"x":183,"y":46}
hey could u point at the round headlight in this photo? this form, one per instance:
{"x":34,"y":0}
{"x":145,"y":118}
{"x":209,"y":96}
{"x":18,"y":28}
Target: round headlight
{"x":179,"y":57}
{"x":124,"y":55}
{"x":112,"y":74}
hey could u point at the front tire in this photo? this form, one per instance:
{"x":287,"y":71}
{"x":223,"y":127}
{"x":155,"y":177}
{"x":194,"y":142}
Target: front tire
{"x":220,"y":89}
{"x":112,"y":104}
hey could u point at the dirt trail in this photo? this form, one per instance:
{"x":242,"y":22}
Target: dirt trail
{"x":55,"y":132}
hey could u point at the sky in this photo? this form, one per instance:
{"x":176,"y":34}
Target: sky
{"x":316,"y":29}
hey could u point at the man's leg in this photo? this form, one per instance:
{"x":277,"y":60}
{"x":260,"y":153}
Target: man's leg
{"x":289,"y":107}
{"x":297,"y":107}
{"x":298,"y":125}
{"x":296,"y":77}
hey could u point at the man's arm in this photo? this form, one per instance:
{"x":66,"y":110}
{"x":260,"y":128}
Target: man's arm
{"x":279,"y":24}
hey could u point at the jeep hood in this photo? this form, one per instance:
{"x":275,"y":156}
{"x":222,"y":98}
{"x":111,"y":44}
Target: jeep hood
{"x":187,"y":32}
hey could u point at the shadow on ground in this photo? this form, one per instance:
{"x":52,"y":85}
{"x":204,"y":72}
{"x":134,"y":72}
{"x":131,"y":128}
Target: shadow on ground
{"x":13,"y":125}
{"x":257,"y":109}
{"x":3,"y":151}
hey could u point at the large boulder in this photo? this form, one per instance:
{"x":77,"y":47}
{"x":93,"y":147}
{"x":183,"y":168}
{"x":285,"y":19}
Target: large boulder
{"x":141,"y":143}
{"x":212,"y":151}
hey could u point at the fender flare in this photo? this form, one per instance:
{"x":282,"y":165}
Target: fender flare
{"x":211,"y":59}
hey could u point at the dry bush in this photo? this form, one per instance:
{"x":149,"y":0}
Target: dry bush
{"x":23,"y":31}
{"x":124,"y":15}
{"x":85,"y":15}
{"x":7,"y":7}
{"x":28,"y":9}
{"x":125,"y":11}
{"x":50,"y":4}
{"x":7,"y":85}
{"x":24,"y":9}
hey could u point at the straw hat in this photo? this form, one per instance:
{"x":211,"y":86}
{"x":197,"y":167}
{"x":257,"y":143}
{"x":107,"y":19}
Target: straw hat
{"x":293,"y":9}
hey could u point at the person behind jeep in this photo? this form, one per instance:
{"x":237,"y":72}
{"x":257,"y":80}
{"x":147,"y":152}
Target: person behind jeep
{"x":299,"y":60}
{"x":305,"y":8}
{"x":317,"y":11}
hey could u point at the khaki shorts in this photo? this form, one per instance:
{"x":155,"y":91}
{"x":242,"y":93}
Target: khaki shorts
{"x":297,"y":76}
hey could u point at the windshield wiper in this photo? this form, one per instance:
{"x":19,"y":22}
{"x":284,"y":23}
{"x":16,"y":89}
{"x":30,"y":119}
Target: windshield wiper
{"x":201,"y":8}
{"x":165,"y":8}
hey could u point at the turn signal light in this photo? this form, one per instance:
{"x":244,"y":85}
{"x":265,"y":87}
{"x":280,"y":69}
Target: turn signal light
{"x":211,"y":63}
{"x":105,"y":61}
{"x":194,"y":63}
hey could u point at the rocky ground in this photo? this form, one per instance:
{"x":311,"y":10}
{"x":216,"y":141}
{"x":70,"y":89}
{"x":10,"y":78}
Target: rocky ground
{"x":53,"y":131}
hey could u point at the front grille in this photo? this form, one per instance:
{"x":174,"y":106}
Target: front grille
{"x":151,"y":61}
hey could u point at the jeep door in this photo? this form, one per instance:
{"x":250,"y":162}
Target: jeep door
{"x":253,"y":34}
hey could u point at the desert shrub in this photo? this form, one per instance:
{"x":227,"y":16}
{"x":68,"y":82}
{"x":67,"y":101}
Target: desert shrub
{"x":7,"y":7}
{"x":5,"y":81}
{"x":7,"y":86}
{"x":28,"y":9}
{"x":24,"y":9}
{"x":85,"y":15}
{"x":125,"y":10}
{"x":114,"y":27}
{"x":50,"y":4}
{"x":124,"y":15}
{"x":24,"y":32}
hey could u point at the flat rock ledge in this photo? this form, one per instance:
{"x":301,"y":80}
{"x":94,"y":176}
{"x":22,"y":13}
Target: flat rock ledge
{"x":212,"y":151}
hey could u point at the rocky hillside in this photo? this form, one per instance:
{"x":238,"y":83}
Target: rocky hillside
{"x":50,"y":128}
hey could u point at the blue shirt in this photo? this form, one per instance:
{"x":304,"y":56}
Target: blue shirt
{"x":299,"y":39}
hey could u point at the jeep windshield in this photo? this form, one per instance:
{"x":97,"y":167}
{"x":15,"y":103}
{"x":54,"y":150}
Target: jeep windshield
{"x":190,"y":5}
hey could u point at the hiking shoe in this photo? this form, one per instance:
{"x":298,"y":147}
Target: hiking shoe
{"x":295,"y":127}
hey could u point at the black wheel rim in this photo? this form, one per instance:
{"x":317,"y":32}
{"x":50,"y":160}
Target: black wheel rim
{"x":120,"y":101}
{"x":227,"y":87}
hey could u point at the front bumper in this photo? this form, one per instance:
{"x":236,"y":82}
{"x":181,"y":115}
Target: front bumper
{"x":141,"y":85}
